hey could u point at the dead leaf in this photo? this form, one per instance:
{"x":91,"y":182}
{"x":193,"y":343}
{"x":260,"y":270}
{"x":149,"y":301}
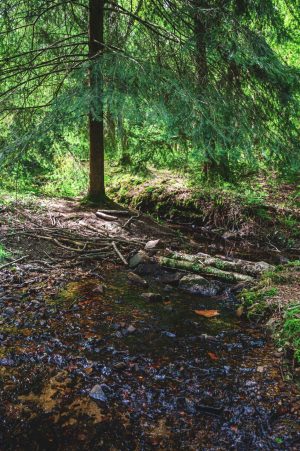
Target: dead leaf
{"x":213,"y":356}
{"x":207,"y":313}
{"x":240,"y":311}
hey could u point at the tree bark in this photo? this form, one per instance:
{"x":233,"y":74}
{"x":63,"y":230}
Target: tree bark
{"x":201,"y":56}
{"x":200,"y":268}
{"x":96,"y":123}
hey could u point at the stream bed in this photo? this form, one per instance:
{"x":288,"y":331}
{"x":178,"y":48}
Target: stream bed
{"x":99,"y":367}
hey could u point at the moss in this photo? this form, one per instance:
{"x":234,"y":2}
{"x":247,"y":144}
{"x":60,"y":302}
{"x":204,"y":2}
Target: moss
{"x":289,"y":333}
{"x":254,"y":300}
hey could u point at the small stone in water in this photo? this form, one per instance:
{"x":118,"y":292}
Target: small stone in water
{"x":169,"y":334}
{"x":131,"y":329}
{"x":136,"y":279}
{"x":137,"y":259}
{"x":98,"y":394}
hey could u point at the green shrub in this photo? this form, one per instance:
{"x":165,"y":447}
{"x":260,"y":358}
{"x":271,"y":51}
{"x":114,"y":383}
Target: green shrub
{"x":290,"y":335}
{"x":3,"y":253}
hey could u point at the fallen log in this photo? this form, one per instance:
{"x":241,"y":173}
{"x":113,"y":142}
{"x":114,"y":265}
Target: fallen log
{"x":200,"y":268}
{"x":236,"y":265}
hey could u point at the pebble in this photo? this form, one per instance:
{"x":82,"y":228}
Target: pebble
{"x":136,"y":279}
{"x":168,"y":334}
{"x":98,"y":394}
{"x":131,"y":329}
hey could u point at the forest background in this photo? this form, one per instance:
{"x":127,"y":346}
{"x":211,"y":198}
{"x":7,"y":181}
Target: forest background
{"x":206,"y":89}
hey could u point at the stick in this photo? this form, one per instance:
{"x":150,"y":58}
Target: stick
{"x":114,"y":212}
{"x":129,"y":221}
{"x":101,"y":215}
{"x":14,"y":261}
{"x":119,"y":253}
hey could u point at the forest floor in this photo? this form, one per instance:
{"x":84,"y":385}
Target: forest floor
{"x":88,"y":363}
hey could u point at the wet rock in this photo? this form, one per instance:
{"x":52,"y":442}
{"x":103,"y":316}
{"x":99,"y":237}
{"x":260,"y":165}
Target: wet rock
{"x":153,"y":244}
{"x":152,"y":297}
{"x":139,"y":258}
{"x":98,"y":394}
{"x":199,"y":285}
{"x":168,"y":334}
{"x":131,"y":329}
{"x":136,"y":279}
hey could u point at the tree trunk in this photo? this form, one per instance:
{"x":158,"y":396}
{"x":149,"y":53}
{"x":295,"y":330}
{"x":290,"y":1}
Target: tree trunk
{"x":200,"y":57}
{"x":96,"y":124}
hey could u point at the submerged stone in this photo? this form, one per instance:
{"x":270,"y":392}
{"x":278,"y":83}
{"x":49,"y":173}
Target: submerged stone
{"x":199,"y":285}
{"x":137,"y":259}
{"x":136,"y":279}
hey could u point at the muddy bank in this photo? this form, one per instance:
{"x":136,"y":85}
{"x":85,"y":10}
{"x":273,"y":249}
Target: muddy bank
{"x":246,"y":225}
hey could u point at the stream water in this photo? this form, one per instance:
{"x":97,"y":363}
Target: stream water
{"x":105,"y":369}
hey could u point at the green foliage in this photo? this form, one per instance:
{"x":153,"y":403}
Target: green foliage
{"x":69,"y":178}
{"x":241,"y":118}
{"x":3,"y":253}
{"x":290,"y":334}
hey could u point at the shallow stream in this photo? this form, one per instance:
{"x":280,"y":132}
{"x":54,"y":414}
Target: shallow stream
{"x":98,"y":367}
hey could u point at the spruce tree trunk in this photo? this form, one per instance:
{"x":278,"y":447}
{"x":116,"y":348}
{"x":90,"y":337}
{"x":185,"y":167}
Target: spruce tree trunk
{"x":201,"y":56}
{"x":96,"y":125}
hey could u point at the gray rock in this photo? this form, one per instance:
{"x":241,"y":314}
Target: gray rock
{"x":139,"y":258}
{"x":98,"y":393}
{"x":199,"y":285}
{"x":136,"y":279}
{"x":168,"y":334}
{"x":152,"y":297}
{"x":153,"y":244}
